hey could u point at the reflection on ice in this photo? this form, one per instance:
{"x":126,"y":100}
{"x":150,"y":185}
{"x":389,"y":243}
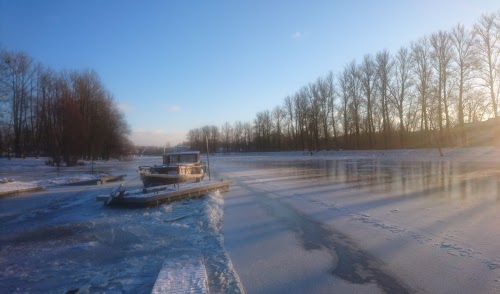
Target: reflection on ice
{"x":449,"y":180}
{"x":421,"y":217}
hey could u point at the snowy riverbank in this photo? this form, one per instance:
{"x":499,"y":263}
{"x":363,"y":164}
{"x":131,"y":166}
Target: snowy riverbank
{"x":474,"y":154}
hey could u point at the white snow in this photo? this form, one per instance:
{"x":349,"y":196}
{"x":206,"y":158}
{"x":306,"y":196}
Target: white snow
{"x":185,"y":274}
{"x":14,"y":186}
{"x":18,"y":174}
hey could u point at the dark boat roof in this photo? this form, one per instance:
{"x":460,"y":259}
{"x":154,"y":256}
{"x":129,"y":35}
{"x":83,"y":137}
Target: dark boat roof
{"x":183,"y":153}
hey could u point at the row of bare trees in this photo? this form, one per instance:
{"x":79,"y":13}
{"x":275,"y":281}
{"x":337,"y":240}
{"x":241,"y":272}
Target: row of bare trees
{"x":423,"y":95}
{"x":65,"y":115}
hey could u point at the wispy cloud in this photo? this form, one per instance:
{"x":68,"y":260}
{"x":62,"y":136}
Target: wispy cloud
{"x":297,"y":35}
{"x":125,"y":107}
{"x":173,"y":108}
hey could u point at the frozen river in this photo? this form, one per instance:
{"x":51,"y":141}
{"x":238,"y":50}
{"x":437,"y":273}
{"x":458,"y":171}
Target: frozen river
{"x":63,"y":239}
{"x":365,"y":224}
{"x":351,"y":222}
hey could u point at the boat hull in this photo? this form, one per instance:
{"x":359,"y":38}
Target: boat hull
{"x":150,"y":179}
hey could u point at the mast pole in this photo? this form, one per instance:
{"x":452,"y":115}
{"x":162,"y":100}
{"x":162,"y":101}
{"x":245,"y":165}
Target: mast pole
{"x":208,"y":160}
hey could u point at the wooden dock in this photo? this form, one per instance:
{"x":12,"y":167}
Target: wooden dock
{"x":98,"y":181}
{"x":104,"y":180}
{"x":20,"y":190}
{"x":161,"y":194}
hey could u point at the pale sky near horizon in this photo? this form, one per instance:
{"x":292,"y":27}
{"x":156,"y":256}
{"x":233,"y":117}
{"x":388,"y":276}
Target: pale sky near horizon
{"x":178,"y":65}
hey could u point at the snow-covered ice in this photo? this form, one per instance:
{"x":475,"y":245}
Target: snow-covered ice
{"x":185,"y":274}
{"x":399,"y":221}
{"x":62,"y":239}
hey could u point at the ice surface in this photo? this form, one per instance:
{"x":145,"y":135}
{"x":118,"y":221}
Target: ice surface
{"x":339,"y":221}
{"x":403,"y":218}
{"x":62,"y":239}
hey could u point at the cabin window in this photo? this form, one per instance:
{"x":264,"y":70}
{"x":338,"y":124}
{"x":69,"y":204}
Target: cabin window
{"x":181,"y":158}
{"x":187,"y":158}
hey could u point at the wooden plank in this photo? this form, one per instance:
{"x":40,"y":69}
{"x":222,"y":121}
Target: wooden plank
{"x":97,"y":181}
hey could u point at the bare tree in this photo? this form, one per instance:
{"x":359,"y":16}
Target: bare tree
{"x":301,"y":112}
{"x":214,"y":138}
{"x":227,"y":131}
{"x":59,"y":89}
{"x":259,"y":137}
{"x":476,"y":106}
{"x":464,"y":43}
{"x":195,"y":139}
{"x":247,"y":134}
{"x":488,"y":33}
{"x":331,"y":100}
{"x":314,"y":103}
{"x":263,"y":127}
{"x":278,"y":117}
{"x":465,"y":59}
{"x":421,"y":53}
{"x":291,"y":123}
{"x":368,"y":76}
{"x":345,"y":97}
{"x":238,"y":135}
{"x":400,"y":87}
{"x":442,"y":55}
{"x":17,"y":85}
{"x":355,"y":93}
{"x":59,"y":113}
{"x":198,"y":138}
{"x":325,"y":88}
{"x":206,"y":135}
{"x":384,"y":69}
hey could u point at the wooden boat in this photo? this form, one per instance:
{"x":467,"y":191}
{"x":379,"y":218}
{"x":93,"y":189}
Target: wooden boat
{"x":177,"y":167}
{"x":161,"y":194}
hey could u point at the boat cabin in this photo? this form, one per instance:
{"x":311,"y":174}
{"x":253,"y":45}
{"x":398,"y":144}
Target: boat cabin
{"x":179,"y":158}
{"x":177,"y":167}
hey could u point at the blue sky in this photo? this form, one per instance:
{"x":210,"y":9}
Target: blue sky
{"x":177,"y":65}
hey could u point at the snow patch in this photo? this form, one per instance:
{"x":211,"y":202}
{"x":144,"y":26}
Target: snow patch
{"x":185,"y":274}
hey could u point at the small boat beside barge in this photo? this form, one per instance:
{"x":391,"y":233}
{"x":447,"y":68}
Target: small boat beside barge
{"x":177,"y":167}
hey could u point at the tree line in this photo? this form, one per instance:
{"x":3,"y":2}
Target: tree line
{"x":67,"y":115}
{"x":423,"y":95}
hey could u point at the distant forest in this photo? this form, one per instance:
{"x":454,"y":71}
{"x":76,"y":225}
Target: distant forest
{"x":434,"y":92}
{"x":64,"y":115}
